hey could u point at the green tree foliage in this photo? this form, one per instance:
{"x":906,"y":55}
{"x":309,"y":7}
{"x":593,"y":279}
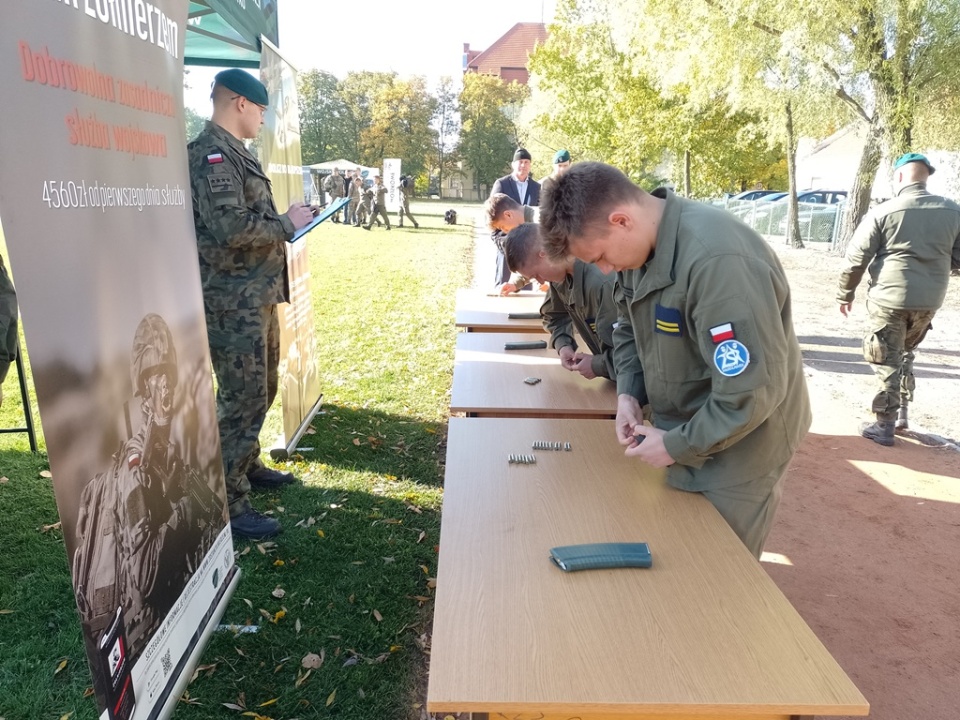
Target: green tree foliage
{"x":194,"y":122}
{"x":595,"y":99}
{"x":446,"y":124}
{"x":358,"y":90}
{"x":326,"y":123}
{"x":400,"y":116}
{"x":488,"y":132}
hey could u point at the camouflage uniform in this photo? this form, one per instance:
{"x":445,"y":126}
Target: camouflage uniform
{"x":908,"y":245}
{"x":334,"y":186}
{"x":406,"y":192}
{"x":8,"y":323}
{"x":243,"y":267}
{"x":379,"y":206}
{"x":356,"y":200}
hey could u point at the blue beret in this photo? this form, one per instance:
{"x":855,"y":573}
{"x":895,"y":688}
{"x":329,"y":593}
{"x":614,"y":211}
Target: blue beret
{"x":243,"y":83}
{"x":913,"y":157}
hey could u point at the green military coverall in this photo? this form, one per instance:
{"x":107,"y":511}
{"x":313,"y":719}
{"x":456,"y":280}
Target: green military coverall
{"x":909,"y":245}
{"x":243,"y":268}
{"x":584,"y":301}
{"x":705,"y":332}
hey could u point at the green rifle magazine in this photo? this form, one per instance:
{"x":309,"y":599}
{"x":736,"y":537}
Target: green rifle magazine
{"x":594,"y":556}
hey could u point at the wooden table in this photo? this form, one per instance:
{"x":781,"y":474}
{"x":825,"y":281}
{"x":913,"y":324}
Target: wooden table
{"x":704,"y":633}
{"x":488,"y":381}
{"x":476,"y":311}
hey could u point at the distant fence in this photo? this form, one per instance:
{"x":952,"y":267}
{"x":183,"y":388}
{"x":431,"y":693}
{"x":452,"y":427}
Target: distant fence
{"x":819,"y":222}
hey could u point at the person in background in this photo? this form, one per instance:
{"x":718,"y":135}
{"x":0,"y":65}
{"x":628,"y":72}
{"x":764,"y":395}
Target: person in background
{"x":379,"y":203}
{"x":242,"y":246}
{"x":909,"y":245}
{"x":579,"y":298}
{"x":9,"y":342}
{"x":522,"y":188}
{"x":333,"y":185}
{"x":561,"y":163}
{"x":503,"y":215}
{"x":406,"y":192}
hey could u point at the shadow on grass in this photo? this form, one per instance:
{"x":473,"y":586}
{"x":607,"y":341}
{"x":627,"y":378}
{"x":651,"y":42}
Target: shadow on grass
{"x":357,"y":438}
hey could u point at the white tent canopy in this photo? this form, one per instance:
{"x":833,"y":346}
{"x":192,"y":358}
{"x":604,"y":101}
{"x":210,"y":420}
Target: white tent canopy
{"x":325,"y":168}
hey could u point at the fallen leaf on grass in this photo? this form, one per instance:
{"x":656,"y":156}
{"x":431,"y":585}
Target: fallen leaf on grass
{"x":61,"y":666}
{"x":88,"y":692}
{"x":249,"y":604}
{"x":311,"y":430}
{"x":378,"y":616}
{"x":4,"y":480}
{"x":279,"y":563}
{"x":388,"y":560}
{"x":67,"y":716}
{"x":240,"y":652}
{"x":356,"y":441}
{"x":232,"y":706}
{"x":302,"y":678}
{"x":6,"y":612}
{"x":268,"y":702}
{"x":320,"y":533}
{"x":279,"y":616}
{"x":413,"y":508}
{"x":297,"y":626}
{"x":350,"y":661}
{"x":187,"y":700}
{"x":331,"y":698}
{"x":432,"y":583}
{"x":278,"y":592}
{"x":312,"y":661}
{"x":257,"y":716}
{"x":423,"y":534}
{"x":47,"y":474}
{"x":431,"y":431}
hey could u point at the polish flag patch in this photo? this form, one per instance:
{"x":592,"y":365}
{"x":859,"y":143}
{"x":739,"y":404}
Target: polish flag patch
{"x":722,"y":332}
{"x":215,"y":158}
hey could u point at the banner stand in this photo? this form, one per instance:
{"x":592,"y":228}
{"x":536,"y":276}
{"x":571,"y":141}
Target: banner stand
{"x":282,"y":451}
{"x":173,"y":699}
{"x":25,"y":397}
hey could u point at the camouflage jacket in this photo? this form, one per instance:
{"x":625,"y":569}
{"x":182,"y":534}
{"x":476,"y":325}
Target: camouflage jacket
{"x":333,"y":184}
{"x":241,"y":237}
{"x":8,"y":321}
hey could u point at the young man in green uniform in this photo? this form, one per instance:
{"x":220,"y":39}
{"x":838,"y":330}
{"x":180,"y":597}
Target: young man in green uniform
{"x":909,"y":245}
{"x":580,"y":298}
{"x":379,"y":203}
{"x":503,"y":215}
{"x":242,"y":242}
{"x":406,"y":192}
{"x":704,"y":332}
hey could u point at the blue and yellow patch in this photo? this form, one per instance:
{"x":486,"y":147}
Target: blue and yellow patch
{"x":668,"y":321}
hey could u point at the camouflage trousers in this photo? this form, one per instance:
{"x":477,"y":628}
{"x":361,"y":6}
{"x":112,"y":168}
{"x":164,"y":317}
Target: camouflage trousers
{"x":8,"y":322}
{"x":378,"y":210}
{"x":245,"y":351}
{"x":405,"y":210}
{"x":889,"y":347}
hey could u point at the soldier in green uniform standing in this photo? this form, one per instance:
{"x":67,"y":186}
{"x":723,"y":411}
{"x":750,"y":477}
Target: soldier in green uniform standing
{"x":580,"y":298}
{"x":908,"y":245}
{"x":406,"y":192}
{"x":8,"y":325}
{"x":242,"y":241}
{"x":379,"y":203}
{"x":335,"y":188}
{"x":705,"y":333}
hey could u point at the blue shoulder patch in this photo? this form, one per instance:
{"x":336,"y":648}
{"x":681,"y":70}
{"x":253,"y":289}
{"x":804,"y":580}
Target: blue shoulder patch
{"x":731,"y":358}
{"x":669,"y":321}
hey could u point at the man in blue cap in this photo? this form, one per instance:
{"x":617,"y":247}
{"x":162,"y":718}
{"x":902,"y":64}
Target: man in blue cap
{"x":908,"y":245}
{"x":242,"y":239}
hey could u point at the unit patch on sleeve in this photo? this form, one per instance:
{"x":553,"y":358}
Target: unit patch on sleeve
{"x":220,"y":182}
{"x":669,"y":321}
{"x":731,"y":358}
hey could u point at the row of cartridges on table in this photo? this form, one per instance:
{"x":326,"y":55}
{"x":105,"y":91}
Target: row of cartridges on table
{"x":538,"y":445}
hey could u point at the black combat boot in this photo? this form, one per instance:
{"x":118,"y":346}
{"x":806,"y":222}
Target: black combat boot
{"x":268,"y":479}
{"x":902,"y":423}
{"x":881,"y":432}
{"x":254,"y":525}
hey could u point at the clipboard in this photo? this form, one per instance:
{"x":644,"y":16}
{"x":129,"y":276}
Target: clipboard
{"x":327,"y":212}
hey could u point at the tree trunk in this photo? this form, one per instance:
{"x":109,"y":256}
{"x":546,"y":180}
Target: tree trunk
{"x":793,"y":216}
{"x":859,"y":200}
{"x":686,"y":173}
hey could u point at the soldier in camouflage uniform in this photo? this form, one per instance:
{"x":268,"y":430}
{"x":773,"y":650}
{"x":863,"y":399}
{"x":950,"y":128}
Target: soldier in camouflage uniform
{"x":242,"y":242}
{"x":335,"y":187}
{"x":908,"y":245}
{"x":406,"y":192}
{"x":379,"y":203}
{"x":357,"y":199}
{"x":8,"y":325}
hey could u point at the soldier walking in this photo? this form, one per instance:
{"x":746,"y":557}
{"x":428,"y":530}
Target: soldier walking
{"x":406,"y":192}
{"x":334,"y":186}
{"x":379,"y":203}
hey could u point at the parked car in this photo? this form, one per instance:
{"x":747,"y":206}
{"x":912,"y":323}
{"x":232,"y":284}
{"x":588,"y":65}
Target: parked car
{"x":817,"y":214}
{"x":753,"y":194}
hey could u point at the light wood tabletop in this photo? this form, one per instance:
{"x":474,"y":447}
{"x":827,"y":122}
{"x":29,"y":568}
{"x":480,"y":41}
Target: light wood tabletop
{"x":488,"y":381}
{"x":478,"y":311}
{"x":704,"y":633}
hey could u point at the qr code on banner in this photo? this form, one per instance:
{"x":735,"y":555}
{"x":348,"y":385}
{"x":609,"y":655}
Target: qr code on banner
{"x":167,"y":662}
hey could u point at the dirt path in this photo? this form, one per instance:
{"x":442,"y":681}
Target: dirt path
{"x":867,"y":541}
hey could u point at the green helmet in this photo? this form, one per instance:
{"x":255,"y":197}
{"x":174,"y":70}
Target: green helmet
{"x":153,"y":352}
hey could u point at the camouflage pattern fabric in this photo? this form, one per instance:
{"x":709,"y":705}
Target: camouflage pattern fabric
{"x":889,"y":347}
{"x":8,"y":322}
{"x":245,"y":350}
{"x":241,"y":238}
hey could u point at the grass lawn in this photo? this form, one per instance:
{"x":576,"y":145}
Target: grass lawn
{"x":350,"y":581}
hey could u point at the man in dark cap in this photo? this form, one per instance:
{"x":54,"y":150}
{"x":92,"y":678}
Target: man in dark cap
{"x":909,"y":245}
{"x":241,"y":238}
{"x":522,"y":188}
